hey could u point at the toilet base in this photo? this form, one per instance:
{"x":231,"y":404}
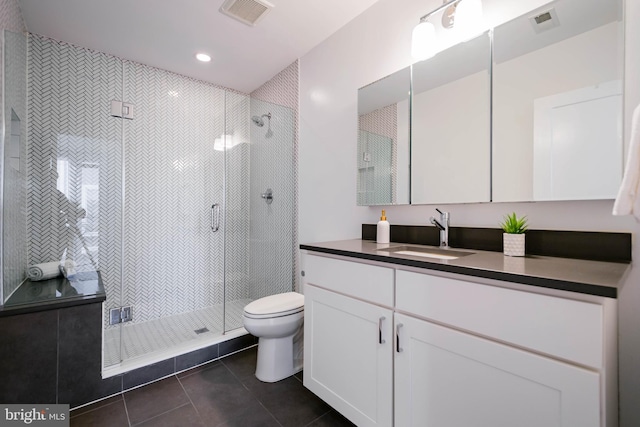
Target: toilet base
{"x":275,"y":359}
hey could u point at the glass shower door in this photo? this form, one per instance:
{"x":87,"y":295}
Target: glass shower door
{"x":174,"y":240}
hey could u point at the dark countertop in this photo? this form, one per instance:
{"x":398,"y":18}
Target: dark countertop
{"x":30,"y":297}
{"x":589,"y":277}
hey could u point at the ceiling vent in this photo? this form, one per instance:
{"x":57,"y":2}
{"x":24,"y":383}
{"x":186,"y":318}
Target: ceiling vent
{"x":545,"y":21}
{"x":248,"y":12}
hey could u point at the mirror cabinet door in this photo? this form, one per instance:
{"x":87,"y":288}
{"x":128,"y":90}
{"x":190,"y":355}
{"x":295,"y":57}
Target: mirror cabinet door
{"x":557,"y":103}
{"x":450,"y":126}
{"x":383,"y":141}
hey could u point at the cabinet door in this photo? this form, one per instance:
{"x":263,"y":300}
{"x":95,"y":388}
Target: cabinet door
{"x":444,"y":377}
{"x":348,"y":356}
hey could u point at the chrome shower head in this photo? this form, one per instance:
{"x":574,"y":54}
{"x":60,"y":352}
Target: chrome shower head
{"x":258,"y":120}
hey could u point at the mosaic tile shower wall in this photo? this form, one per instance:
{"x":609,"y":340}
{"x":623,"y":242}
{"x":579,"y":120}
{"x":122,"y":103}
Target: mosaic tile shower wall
{"x":272,"y":229}
{"x":14,"y":193}
{"x":278,"y":162}
{"x":74,"y":160}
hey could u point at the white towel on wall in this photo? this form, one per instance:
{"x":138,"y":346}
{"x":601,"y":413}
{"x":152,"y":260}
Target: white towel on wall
{"x":628,"y":200}
{"x":44,"y":271}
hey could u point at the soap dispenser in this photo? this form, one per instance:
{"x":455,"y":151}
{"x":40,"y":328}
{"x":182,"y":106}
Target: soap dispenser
{"x":382,"y":234}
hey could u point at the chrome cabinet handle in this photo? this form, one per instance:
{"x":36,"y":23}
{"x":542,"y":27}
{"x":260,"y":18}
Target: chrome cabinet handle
{"x":215,"y":217}
{"x":398,"y":348}
{"x":380,"y":340}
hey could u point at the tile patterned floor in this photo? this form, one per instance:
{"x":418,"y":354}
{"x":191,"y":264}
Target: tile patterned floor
{"x":222,"y":393}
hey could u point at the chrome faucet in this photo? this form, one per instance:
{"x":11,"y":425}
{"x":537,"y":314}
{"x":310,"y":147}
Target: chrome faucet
{"x":443,"y":225}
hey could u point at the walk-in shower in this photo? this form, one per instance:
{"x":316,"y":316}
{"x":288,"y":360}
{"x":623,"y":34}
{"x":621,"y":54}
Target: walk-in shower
{"x":147,"y":191}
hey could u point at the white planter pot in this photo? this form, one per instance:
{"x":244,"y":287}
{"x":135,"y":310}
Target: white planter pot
{"x":513,"y":244}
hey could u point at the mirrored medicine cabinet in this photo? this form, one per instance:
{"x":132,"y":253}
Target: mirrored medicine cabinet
{"x":529,"y":111}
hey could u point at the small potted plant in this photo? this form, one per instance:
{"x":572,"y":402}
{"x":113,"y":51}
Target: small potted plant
{"x":513,"y":236}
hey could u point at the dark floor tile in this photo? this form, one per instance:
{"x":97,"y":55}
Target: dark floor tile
{"x":148,"y":374}
{"x":184,"y":416}
{"x":198,"y":369}
{"x":197,"y":357}
{"x":331,"y":419}
{"x":237,"y":344}
{"x":217,"y":395}
{"x":242,"y":364}
{"x":288,"y":400}
{"x":154,"y":399}
{"x":112,"y":415}
{"x":96,"y":405}
{"x":255,"y":416}
{"x":300,"y":376}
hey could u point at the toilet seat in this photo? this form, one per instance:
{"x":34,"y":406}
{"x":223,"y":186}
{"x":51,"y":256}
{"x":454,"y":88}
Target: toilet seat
{"x":275,"y":306}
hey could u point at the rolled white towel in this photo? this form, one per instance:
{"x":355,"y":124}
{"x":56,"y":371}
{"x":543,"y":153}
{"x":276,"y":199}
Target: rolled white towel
{"x":44,"y":271}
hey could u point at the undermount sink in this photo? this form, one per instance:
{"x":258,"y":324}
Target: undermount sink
{"x":422,"y":251}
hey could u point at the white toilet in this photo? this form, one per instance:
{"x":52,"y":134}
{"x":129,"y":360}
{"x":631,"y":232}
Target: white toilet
{"x":277,"y":321}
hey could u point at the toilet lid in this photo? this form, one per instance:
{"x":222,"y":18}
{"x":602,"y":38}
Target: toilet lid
{"x":276,"y":304}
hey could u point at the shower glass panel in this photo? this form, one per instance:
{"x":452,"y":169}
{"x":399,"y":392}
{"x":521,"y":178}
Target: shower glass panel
{"x":14,"y":166}
{"x":74,"y":163}
{"x":175,"y":212}
{"x":271,"y":225}
{"x":236,"y":149}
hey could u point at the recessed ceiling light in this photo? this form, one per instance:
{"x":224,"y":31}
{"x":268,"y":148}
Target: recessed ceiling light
{"x":203,"y":57}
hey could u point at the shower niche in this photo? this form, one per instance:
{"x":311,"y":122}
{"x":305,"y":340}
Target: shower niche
{"x":145,"y":191}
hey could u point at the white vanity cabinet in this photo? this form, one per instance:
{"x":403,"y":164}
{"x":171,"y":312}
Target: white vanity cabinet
{"x":348,"y":358}
{"x":457,"y":353}
{"x":444,"y":377}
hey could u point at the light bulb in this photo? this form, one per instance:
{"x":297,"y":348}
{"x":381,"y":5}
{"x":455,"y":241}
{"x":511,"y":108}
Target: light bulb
{"x":423,"y":41}
{"x":468,"y":21}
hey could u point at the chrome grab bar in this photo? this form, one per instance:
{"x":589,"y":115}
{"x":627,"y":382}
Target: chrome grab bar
{"x":215,"y":217}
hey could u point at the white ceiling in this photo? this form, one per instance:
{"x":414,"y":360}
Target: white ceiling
{"x":168,"y":33}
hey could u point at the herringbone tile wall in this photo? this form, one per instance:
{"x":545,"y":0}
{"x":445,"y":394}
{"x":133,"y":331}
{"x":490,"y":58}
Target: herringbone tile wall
{"x":74,"y":146}
{"x":274,"y":237}
{"x":272,"y":225}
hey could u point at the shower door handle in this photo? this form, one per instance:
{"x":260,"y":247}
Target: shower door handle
{"x":215,"y":217}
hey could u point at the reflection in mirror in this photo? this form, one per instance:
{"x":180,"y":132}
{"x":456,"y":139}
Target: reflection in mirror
{"x":383,"y":141}
{"x":557,"y":103}
{"x":450,"y":125}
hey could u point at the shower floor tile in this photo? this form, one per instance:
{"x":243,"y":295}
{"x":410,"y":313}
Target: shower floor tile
{"x":141,"y":339}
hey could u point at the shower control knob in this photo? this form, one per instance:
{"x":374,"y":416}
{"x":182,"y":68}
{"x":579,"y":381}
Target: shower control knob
{"x":267,"y":196}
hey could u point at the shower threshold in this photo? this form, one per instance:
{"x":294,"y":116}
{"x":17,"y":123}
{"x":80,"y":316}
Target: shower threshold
{"x":146,"y":343}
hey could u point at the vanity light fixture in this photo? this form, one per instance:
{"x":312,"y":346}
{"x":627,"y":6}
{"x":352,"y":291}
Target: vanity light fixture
{"x":203,"y":57}
{"x":465,"y":16}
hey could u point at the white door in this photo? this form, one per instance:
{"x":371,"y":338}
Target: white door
{"x":444,"y":377}
{"x":578,"y":152}
{"x":348,"y":356}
